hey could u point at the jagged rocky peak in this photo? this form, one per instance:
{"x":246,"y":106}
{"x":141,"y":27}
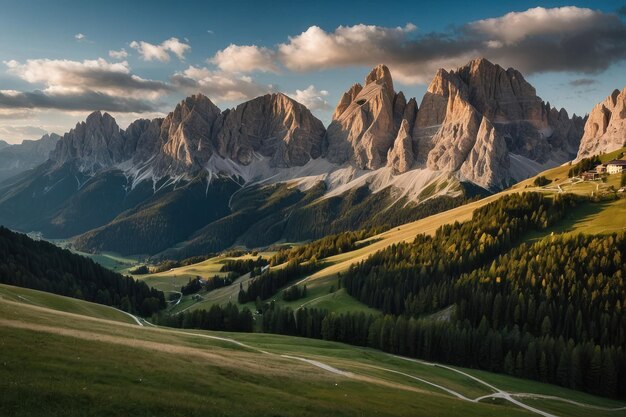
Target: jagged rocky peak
{"x":401,"y":157}
{"x":605,"y":128}
{"x":381,"y":76}
{"x":274,"y":126}
{"x":347,"y":98}
{"x":501,"y":95}
{"x":95,"y":143}
{"x":363,"y":131}
{"x":488,"y":162}
{"x":185,"y":134}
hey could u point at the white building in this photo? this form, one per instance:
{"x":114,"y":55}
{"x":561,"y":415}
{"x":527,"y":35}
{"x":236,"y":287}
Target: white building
{"x":615,"y":166}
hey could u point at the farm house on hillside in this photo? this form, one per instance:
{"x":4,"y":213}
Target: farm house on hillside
{"x":615,"y":166}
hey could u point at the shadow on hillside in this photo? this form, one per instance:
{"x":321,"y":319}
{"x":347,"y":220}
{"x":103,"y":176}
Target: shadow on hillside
{"x":580,"y":214}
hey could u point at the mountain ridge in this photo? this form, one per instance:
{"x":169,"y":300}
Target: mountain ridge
{"x":381,"y":158}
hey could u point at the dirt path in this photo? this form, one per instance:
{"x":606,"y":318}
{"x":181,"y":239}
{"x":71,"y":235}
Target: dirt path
{"x":235,"y":360}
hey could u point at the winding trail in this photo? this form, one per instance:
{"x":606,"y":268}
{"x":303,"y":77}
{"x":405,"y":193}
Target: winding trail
{"x":498,"y":393}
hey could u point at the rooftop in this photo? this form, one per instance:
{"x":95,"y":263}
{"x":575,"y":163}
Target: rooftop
{"x":621,"y":162}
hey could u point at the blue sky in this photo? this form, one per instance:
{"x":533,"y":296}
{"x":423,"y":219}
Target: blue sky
{"x":56,"y":65}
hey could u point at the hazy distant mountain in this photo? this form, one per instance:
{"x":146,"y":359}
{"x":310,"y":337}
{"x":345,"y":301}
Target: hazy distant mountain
{"x":15,"y":159}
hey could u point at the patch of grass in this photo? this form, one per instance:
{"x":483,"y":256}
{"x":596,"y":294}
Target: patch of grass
{"x":66,"y":304}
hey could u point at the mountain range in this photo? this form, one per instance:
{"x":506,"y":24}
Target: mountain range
{"x":15,"y":159}
{"x":202,"y":179}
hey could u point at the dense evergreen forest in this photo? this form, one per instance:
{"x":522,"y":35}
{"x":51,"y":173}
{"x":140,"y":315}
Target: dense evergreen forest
{"x":43,"y":266}
{"x":400,"y":279}
{"x":324,"y":247}
{"x":227,"y":318}
{"x":268,"y":283}
{"x":550,"y":311}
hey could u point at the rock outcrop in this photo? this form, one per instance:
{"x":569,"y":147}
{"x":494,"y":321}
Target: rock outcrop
{"x":185,"y":136}
{"x":95,"y":143}
{"x":363,"y":131}
{"x":487,"y":163}
{"x":401,"y":157}
{"x":274,"y":126}
{"x":605,"y":129}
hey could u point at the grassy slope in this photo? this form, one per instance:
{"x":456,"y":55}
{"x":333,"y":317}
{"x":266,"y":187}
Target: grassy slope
{"x":57,"y":363}
{"x":66,"y":304}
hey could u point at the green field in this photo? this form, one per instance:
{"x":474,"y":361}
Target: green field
{"x":66,"y":304}
{"x":60,"y":363}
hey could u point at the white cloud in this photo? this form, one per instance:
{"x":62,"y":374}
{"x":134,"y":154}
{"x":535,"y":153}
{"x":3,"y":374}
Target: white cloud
{"x":245,"y":58}
{"x":82,"y":85}
{"x":312,"y":98}
{"x":348,"y":45}
{"x":536,"y":40}
{"x":219,"y":85}
{"x":60,"y":76}
{"x":121,"y":54}
{"x":79,"y":37}
{"x":161,"y":52}
{"x":516,"y":26}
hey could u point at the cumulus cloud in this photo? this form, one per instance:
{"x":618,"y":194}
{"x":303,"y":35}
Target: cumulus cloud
{"x":517,"y":26}
{"x":82,"y":85}
{"x":219,"y":85}
{"x":536,"y":40}
{"x":161,"y":52}
{"x":312,"y":98}
{"x":79,"y":37}
{"x":121,"y":54}
{"x":245,"y":58}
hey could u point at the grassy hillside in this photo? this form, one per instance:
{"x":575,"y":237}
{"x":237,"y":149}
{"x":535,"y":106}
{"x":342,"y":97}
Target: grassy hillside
{"x":59,"y":363}
{"x":66,"y":304}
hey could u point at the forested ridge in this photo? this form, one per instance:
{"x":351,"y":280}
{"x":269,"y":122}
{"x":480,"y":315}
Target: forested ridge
{"x":549,"y":311}
{"x":43,"y":266}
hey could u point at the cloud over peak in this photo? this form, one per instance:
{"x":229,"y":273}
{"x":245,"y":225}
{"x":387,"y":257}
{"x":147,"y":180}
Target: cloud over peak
{"x":536,"y":40}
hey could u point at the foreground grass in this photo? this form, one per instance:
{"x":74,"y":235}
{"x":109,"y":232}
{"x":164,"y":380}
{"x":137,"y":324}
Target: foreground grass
{"x":66,"y":304}
{"x":58,"y":363}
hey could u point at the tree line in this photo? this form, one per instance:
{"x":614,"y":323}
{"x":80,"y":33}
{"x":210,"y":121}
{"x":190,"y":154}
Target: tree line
{"x":267,"y":284}
{"x":228,"y":318}
{"x":43,"y":266}
{"x":324,"y":247}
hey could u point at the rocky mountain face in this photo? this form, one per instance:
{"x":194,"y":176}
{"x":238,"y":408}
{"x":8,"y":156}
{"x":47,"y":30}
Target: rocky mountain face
{"x":15,"y":159}
{"x":3,"y":144}
{"x":605,"y":129}
{"x":273,"y":126}
{"x":367,"y":120}
{"x":468,"y":122}
{"x":178,"y":181}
